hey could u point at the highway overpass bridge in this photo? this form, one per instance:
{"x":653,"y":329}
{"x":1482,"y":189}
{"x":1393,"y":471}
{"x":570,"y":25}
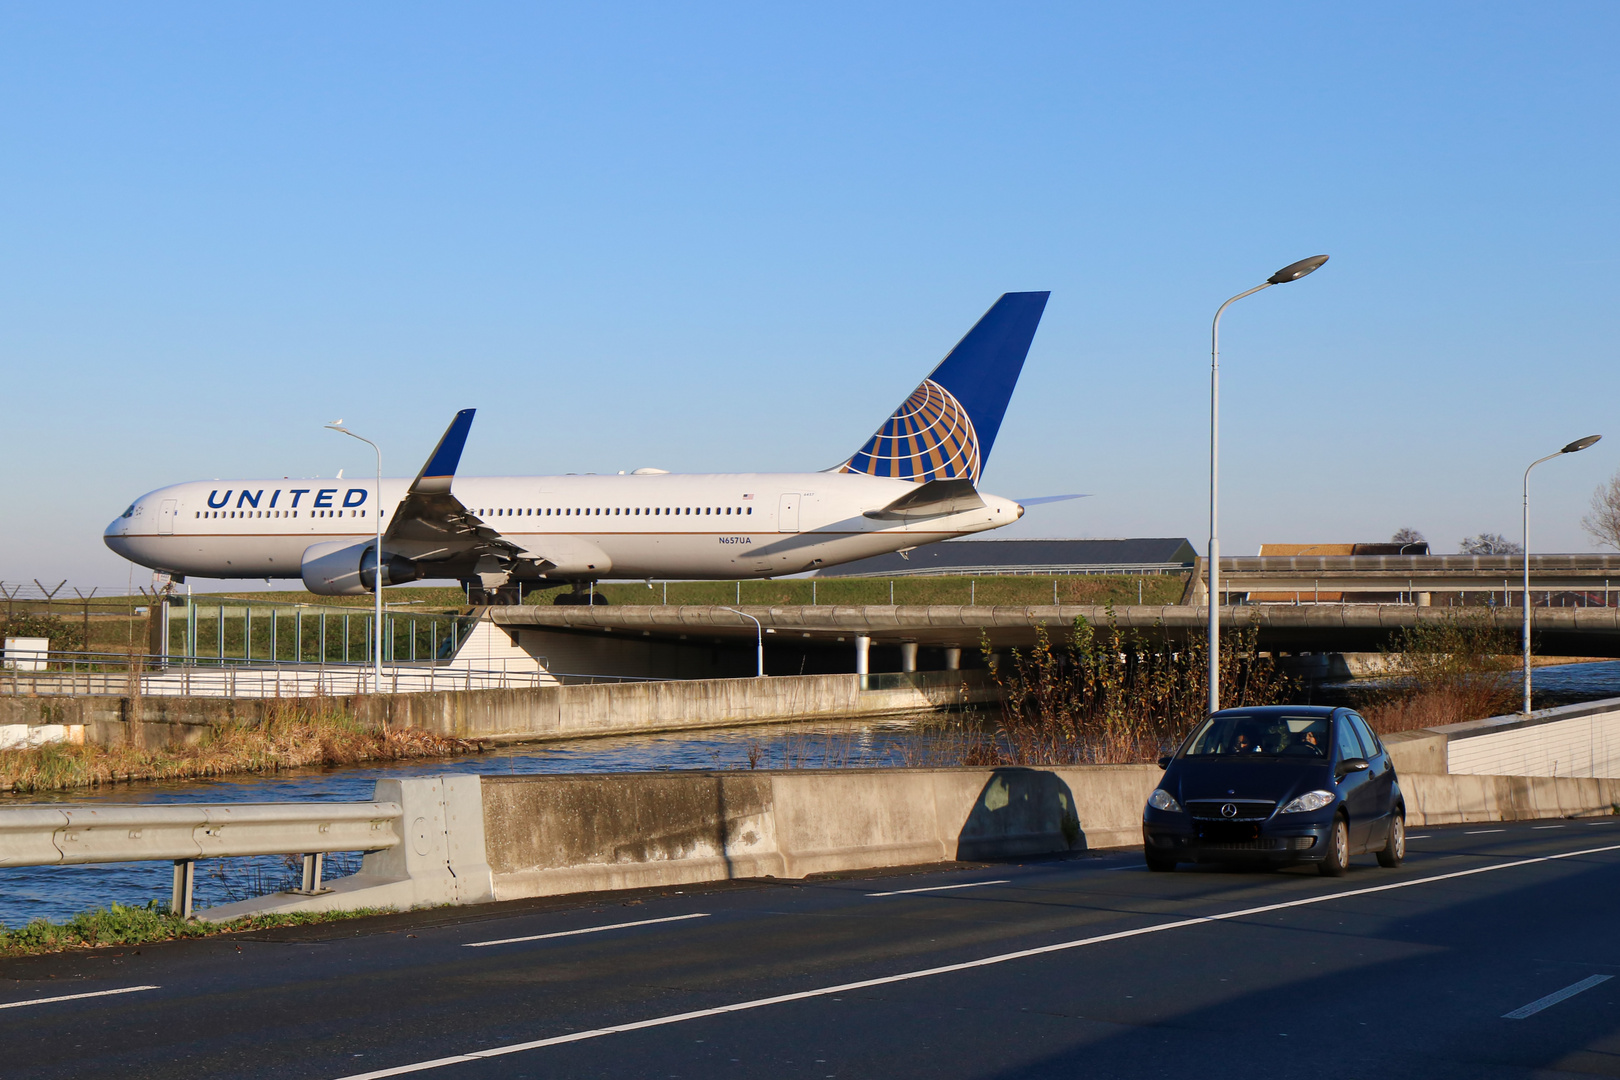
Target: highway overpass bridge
{"x":1596,"y":577}
{"x":825,"y":638}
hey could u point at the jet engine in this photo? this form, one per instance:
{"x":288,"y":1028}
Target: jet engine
{"x":342,"y":568}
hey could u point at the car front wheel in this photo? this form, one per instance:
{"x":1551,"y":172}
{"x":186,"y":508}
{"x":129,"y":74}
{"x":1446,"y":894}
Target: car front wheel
{"x":1337,"y":863}
{"x":1395,"y":850}
{"x":1157,"y":863}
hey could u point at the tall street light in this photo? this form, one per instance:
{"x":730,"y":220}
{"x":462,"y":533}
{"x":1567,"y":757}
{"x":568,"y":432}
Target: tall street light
{"x":1291,"y":272}
{"x":376,"y":560}
{"x":1574,"y":447}
{"x":759,"y":635}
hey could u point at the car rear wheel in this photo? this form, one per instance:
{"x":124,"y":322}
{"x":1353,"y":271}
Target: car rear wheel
{"x":1337,"y":863}
{"x":1395,"y":850}
{"x":1157,"y":863}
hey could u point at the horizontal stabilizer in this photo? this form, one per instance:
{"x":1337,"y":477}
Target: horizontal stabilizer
{"x":1038,"y":499}
{"x":932,"y":499}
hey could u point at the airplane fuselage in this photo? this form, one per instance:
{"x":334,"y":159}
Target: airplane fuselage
{"x":665,"y":525}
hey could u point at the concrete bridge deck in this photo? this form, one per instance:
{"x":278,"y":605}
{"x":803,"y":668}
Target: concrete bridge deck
{"x":1591,"y":631}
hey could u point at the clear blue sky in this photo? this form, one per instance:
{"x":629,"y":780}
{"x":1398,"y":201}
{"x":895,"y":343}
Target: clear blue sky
{"x":733,"y":237}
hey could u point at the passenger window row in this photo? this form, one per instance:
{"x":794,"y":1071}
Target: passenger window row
{"x":616,"y":511}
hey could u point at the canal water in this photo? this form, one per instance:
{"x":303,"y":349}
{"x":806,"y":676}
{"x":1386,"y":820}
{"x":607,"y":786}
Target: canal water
{"x":59,"y":892}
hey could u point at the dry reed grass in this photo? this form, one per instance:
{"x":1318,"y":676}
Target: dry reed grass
{"x":293,"y":735}
{"x":1447,"y":671}
{"x":1107,"y":696}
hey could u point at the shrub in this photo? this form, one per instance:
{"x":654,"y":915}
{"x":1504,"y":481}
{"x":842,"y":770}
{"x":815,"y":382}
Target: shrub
{"x":1106,"y":695}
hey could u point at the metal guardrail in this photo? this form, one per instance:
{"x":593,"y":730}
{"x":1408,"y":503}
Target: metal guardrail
{"x":73,"y":834}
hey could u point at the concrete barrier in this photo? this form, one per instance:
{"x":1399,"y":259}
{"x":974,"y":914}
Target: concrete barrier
{"x":1449,"y":799}
{"x":538,"y":713}
{"x":549,"y":835}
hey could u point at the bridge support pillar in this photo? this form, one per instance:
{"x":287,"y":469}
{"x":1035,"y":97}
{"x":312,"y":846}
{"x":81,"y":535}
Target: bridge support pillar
{"x":908,"y":656}
{"x":863,"y":654}
{"x":1422,"y":599}
{"x":953,"y":658}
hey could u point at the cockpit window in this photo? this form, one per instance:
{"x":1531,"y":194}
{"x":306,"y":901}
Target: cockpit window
{"x":1267,"y":736}
{"x":130,"y":512}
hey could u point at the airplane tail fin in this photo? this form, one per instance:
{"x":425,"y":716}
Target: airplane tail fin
{"x":945,"y":429}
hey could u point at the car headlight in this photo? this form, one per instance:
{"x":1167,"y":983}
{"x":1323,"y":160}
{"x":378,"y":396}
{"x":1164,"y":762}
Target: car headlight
{"x":1311,"y":800}
{"x":1163,"y":800}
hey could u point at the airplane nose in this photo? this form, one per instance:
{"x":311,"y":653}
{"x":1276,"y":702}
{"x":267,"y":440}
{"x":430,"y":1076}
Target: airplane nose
{"x":1020,"y":511}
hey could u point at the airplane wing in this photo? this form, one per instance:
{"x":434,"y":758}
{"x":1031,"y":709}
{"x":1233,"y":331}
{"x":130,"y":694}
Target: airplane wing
{"x":431,"y":525}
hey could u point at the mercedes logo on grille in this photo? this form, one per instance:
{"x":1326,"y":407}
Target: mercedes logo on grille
{"x":1229,"y":810}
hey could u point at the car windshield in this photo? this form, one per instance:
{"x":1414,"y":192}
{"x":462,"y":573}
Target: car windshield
{"x":1262,"y":736}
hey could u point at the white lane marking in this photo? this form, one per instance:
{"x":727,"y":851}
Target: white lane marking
{"x":942,"y":888}
{"x":924,"y":973}
{"x":586,"y":930}
{"x":1538,"y":828}
{"x":1600,"y":823}
{"x":1417,"y":836}
{"x":1555,"y":997}
{"x":1482,"y":832}
{"x":75,"y":997}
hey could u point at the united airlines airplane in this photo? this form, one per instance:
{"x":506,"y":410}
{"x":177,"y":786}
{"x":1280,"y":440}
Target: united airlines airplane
{"x":914,"y":482}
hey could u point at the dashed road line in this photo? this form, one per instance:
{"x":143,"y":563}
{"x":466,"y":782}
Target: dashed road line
{"x":75,"y":997}
{"x":584,"y":930}
{"x":1555,"y":997}
{"x":942,"y":888}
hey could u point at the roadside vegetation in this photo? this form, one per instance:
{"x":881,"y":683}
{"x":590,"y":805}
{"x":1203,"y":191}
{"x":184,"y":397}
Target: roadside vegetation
{"x":1444,"y":672}
{"x":1105,"y":695}
{"x":295,"y":734}
{"x":118,"y":925}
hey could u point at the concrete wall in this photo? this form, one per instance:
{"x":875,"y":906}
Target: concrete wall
{"x":1576,"y":740}
{"x":1439,"y":799}
{"x":549,"y":835}
{"x":548,"y":712}
{"x":559,"y":834}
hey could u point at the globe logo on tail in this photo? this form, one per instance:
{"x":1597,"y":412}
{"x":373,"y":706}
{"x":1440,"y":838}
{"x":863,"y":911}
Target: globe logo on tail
{"x":929,"y":437}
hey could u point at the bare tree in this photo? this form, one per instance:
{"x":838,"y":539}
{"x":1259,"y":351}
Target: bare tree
{"x":1489,"y":543}
{"x":1603,"y":523}
{"x":1408,"y":535}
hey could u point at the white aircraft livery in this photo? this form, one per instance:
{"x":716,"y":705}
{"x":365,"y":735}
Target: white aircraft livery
{"x":914,"y":482}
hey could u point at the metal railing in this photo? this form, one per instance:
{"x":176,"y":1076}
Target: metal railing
{"x":110,"y":833}
{"x":99,"y":674}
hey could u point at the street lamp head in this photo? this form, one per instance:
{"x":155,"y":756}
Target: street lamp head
{"x":1295,"y":271}
{"x":337,"y":425}
{"x":1580,"y":444}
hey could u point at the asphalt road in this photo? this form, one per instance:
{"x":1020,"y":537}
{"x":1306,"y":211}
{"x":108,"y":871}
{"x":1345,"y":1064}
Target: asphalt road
{"x":1084,"y":967}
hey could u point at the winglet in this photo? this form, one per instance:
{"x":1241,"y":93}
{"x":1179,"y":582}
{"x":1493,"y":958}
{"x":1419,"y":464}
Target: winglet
{"x":440,"y":469}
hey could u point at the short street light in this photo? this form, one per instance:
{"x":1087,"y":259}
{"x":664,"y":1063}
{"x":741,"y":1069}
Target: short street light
{"x":1574,"y":447}
{"x":1291,"y":272}
{"x":376,"y":559}
{"x":759,"y":634}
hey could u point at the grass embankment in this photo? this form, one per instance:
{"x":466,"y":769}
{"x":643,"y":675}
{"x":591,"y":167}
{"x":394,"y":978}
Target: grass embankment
{"x":129,"y":926}
{"x":293,"y":736}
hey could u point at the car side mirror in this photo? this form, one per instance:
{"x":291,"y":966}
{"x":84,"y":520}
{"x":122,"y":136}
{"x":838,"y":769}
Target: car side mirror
{"x":1164,"y":761}
{"x":1355,"y":764}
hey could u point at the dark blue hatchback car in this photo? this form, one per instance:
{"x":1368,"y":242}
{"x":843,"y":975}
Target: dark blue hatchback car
{"x":1279,"y":784}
